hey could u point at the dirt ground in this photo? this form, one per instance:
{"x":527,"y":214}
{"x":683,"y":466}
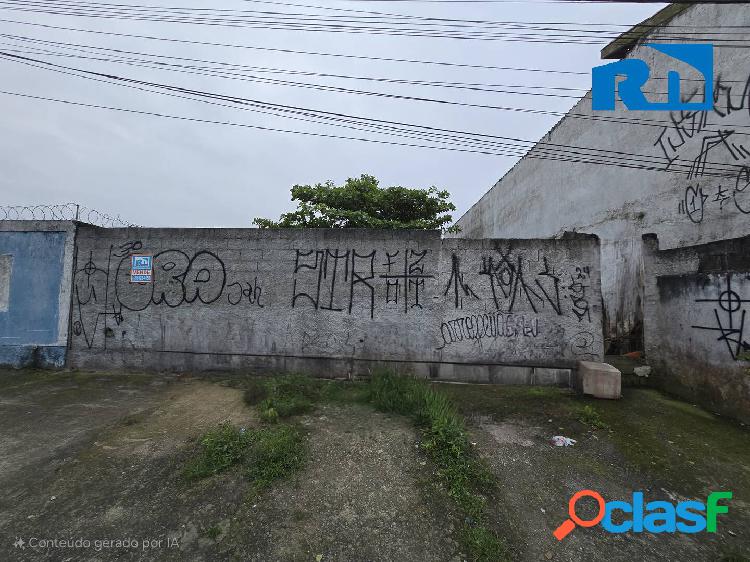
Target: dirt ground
{"x":97,"y":458}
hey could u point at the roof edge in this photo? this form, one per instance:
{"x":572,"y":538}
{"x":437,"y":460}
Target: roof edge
{"x":625,"y":43}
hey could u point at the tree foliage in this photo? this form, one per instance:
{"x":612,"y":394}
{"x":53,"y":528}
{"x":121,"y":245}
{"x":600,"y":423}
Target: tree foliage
{"x":362,"y":203}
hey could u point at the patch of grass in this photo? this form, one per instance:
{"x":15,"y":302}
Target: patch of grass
{"x":484,"y":544}
{"x":534,"y":403}
{"x":276,"y":453}
{"x":591,"y":417}
{"x":221,"y":448}
{"x":267,"y":454}
{"x":255,"y":391}
{"x":269,"y":415}
{"x":286,"y":405}
{"x":283,"y":396}
{"x":444,"y":439}
{"x":212,"y":532}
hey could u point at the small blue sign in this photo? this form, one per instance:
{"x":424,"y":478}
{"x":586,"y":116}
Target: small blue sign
{"x":604,"y":80}
{"x":141,"y":269}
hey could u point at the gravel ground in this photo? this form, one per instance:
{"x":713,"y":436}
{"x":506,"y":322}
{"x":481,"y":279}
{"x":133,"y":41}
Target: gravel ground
{"x":98,"y":458}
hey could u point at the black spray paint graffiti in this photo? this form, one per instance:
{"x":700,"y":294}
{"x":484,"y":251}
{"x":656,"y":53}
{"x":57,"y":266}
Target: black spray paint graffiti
{"x":720,"y":149}
{"x":408,"y":283}
{"x":582,"y":345}
{"x":90,"y":293}
{"x":492,"y":325}
{"x":686,"y":125}
{"x":513,"y":280}
{"x":577,"y":293}
{"x":506,"y":275}
{"x":339,"y":281}
{"x":730,"y":320}
{"x":697,"y":200}
{"x":323,"y":267}
{"x":457,"y":284}
{"x":178,"y":279}
{"x":237,"y":292}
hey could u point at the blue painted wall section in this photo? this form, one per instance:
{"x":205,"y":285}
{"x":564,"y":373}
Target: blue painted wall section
{"x":29,"y":326}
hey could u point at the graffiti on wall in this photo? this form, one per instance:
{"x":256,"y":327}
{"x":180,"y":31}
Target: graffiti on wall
{"x":103,"y":291}
{"x":481,"y":296}
{"x":722,"y":150}
{"x":513,"y":279}
{"x":518,"y":286}
{"x":342,"y":281}
{"x":729,"y":320}
{"x":698,"y":199}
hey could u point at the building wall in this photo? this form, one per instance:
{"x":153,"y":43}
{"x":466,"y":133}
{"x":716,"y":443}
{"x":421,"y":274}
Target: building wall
{"x":335,"y":301}
{"x":697,"y":322}
{"x":35,"y":275}
{"x":682,"y":199}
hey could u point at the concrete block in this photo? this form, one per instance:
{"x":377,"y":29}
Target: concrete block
{"x":551,"y":377}
{"x":507,"y":374}
{"x":600,"y":380}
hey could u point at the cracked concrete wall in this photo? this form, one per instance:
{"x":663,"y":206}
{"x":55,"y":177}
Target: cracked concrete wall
{"x":332,"y":301}
{"x":697,"y":326}
{"x":695,"y":192}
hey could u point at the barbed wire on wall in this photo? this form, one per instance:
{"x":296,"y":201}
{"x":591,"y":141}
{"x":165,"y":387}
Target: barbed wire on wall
{"x":62,"y":212}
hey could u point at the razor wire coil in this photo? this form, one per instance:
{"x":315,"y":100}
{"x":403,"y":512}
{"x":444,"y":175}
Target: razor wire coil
{"x":62,"y":212}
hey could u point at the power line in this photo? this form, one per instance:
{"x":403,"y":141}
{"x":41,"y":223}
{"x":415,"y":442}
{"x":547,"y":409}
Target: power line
{"x":313,"y":22}
{"x":230,"y":75}
{"x":325,"y":87}
{"x":313,"y":53}
{"x":232,"y":67}
{"x":496,"y":22}
{"x":258,"y":127}
{"x":298,"y":52}
{"x":556,"y":152}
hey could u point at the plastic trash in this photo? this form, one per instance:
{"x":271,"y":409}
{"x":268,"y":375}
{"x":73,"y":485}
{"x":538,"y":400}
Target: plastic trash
{"x":560,"y":441}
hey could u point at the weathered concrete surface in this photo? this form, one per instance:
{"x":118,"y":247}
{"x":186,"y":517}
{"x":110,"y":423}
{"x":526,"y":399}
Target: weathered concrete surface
{"x":670,"y":450}
{"x":600,"y":380}
{"x":679,"y":198}
{"x":35,"y":277}
{"x":697,"y":326}
{"x":338,"y":302}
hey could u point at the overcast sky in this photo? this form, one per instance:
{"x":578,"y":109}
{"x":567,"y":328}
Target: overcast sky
{"x":161,"y":172}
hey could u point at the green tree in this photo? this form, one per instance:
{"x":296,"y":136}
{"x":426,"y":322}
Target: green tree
{"x":361,"y":203}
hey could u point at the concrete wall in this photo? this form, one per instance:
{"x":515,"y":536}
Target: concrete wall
{"x":35,"y":279}
{"x":697,"y":322}
{"x":680,"y":199}
{"x":338,"y":302}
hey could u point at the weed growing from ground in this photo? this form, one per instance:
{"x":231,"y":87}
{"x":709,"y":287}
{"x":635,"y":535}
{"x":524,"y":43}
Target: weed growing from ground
{"x":276,"y":453}
{"x":591,"y":417}
{"x":445,"y":440}
{"x":212,"y":532}
{"x":283,"y":397}
{"x":221,"y":448}
{"x":267,"y":454}
{"x":277,"y":450}
{"x":284,"y":406}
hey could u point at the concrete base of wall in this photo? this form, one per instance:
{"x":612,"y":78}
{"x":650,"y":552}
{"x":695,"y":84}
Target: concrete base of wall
{"x":319,"y":367}
{"x":718,"y":390}
{"x":42,"y":356}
